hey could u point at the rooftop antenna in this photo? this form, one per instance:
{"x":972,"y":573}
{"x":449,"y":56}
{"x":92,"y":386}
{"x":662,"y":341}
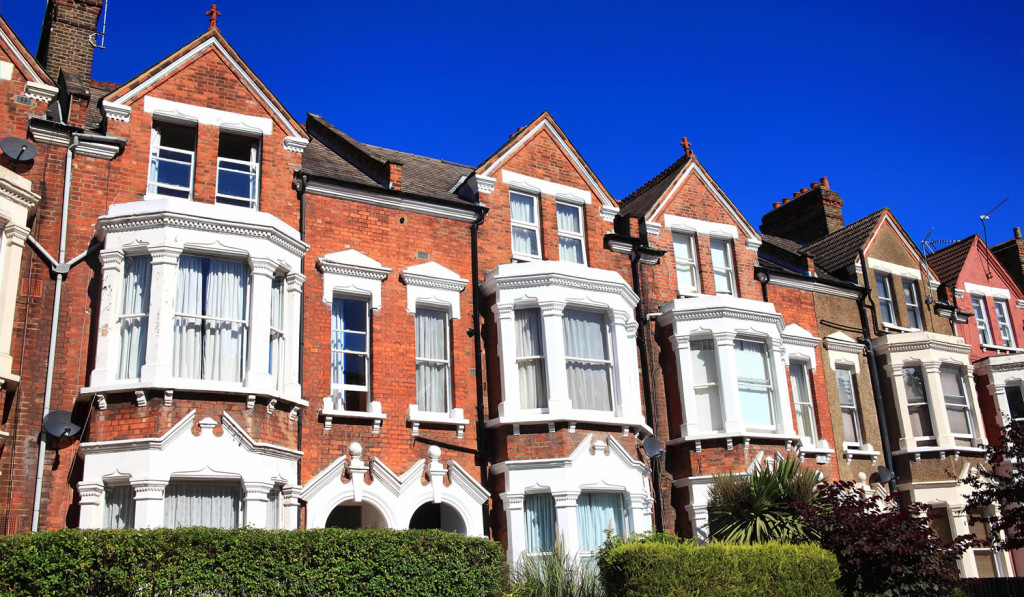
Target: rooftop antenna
{"x":928,"y":246}
{"x":98,"y":39}
{"x":984,"y":230}
{"x":924,"y":243}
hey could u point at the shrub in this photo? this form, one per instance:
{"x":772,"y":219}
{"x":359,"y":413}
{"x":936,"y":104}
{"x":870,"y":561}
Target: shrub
{"x":657,"y":567}
{"x":1002,"y":483}
{"x":556,"y":574}
{"x":199,"y":561}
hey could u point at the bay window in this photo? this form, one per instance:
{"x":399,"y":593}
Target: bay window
{"x":704,"y":366}
{"x":134,"y":318}
{"x":202,"y":504}
{"x":238,"y":170}
{"x":885,"y":303}
{"x":917,"y":403}
{"x":913,"y":303}
{"x":525,"y":225}
{"x":350,"y":353}
{"x":721,"y":263}
{"x":275,"y":365}
{"x":118,"y":507}
{"x":211,"y":319}
{"x":955,"y":396}
{"x":1003,"y":319}
{"x":848,"y":406}
{"x":981,"y":319}
{"x":1015,"y":399}
{"x":596,"y":512}
{"x":755,"y":384}
{"x":587,"y":360}
{"x":802,"y":402}
{"x":433,"y":378}
{"x":687,"y":276}
{"x":172,"y":159}
{"x":539,"y":511}
{"x":530,"y":359}
{"x":570,"y":232}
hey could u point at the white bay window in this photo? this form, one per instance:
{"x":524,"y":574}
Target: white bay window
{"x":530,"y":359}
{"x":587,"y":360}
{"x":917,"y":404}
{"x":202,"y":504}
{"x":134,"y":317}
{"x":211,"y":319}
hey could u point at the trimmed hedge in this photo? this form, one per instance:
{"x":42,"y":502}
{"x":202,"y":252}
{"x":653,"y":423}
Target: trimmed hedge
{"x":200,"y":561}
{"x":649,"y":569}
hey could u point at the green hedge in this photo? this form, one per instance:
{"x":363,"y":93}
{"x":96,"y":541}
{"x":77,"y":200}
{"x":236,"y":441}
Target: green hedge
{"x":199,"y":561}
{"x":651,"y":569}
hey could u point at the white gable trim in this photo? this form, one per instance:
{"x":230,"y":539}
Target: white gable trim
{"x":534,"y":185}
{"x":189,"y":56}
{"x":933,"y":282}
{"x":701,"y":227}
{"x":580,"y":167}
{"x":711,"y":186}
{"x":25,"y":66}
{"x":202,"y":115}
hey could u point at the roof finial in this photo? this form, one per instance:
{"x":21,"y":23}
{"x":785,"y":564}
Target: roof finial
{"x":213,"y":13}
{"x":686,"y":146}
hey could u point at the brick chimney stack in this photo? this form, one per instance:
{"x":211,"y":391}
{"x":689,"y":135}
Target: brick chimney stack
{"x":1011,"y":255}
{"x":813,"y":213}
{"x":66,"y":41}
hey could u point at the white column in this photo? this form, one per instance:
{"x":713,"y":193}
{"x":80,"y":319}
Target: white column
{"x":684,"y":374}
{"x":725,"y":355}
{"x":292,"y":318}
{"x":505,"y":315}
{"x":149,"y":503}
{"x":257,"y":499}
{"x":163,"y":288}
{"x":937,"y":404}
{"x":108,"y":343}
{"x":641,"y":507}
{"x":895,"y":373}
{"x":290,"y":503}
{"x":625,"y":366}
{"x":972,"y":403}
{"x":10,"y":274}
{"x":515,"y":518}
{"x":777,"y":354}
{"x":554,"y":355}
{"x":565,"y":515}
{"x":961,"y":526}
{"x":259,"y":324}
{"x":699,"y":522}
{"x":91,"y":505}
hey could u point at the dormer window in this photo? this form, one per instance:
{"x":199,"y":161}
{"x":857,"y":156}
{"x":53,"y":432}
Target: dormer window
{"x":172,"y":160}
{"x":238,"y":170}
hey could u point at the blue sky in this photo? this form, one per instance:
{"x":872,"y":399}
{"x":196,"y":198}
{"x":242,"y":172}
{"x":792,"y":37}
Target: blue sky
{"x":912,"y":105}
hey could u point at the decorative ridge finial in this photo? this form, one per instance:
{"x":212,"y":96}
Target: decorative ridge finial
{"x":686,"y":146}
{"x":213,"y":13}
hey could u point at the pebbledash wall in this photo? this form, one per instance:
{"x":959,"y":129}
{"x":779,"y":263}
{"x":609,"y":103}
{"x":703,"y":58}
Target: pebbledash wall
{"x":269,"y":323}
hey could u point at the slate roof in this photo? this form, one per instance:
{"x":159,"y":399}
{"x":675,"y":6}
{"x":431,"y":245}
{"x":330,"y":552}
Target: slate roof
{"x":642,"y":200}
{"x":839,"y":249}
{"x":947,"y":261}
{"x":781,"y":254}
{"x":423,"y":176}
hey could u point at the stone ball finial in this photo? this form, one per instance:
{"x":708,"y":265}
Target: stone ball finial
{"x":355,"y":449}
{"x":861,"y":477}
{"x":434,"y":452}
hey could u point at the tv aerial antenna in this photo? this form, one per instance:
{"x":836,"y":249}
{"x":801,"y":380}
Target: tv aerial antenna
{"x":930,"y":246}
{"x":18,"y":149}
{"x":984,"y":230}
{"x":99,"y":38}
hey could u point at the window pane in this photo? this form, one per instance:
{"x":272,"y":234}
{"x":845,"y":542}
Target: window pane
{"x":595,"y":513}
{"x":174,"y":173}
{"x":355,"y":341}
{"x":570,"y":249}
{"x":523,"y":208}
{"x":202,"y":504}
{"x":589,"y":386}
{"x":682,"y":247}
{"x":709,"y":409}
{"x":585,"y":335}
{"x":850,"y":426}
{"x":844,"y":380}
{"x":750,"y":361}
{"x":135,"y":315}
{"x":913,"y":381}
{"x":210,"y":331}
{"x":705,"y":368}
{"x":913,"y":305}
{"x":952,"y":386}
{"x":235,"y":184}
{"x":524,"y":241}
{"x":958,"y":421}
{"x":539,"y":509}
{"x":719,"y":254}
{"x":1015,"y":398}
{"x":119,"y":507}
{"x":530,"y":351}
{"x":432,"y":381}
{"x":355,"y":369}
{"x":756,"y":406}
{"x":568,"y":218}
{"x":920,"y":421}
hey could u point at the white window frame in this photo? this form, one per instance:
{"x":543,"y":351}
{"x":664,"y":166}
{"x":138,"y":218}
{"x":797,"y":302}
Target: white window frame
{"x":338,"y":389}
{"x":965,"y":408}
{"x":541,"y":358}
{"x":1005,"y":323}
{"x":924,"y":403}
{"x":527,"y":534}
{"x":768,"y":383}
{"x":716,"y":386}
{"x":235,"y":483}
{"x":682,"y":263}
{"x":805,"y":383}
{"x":253,"y":164}
{"x":852,"y":409}
{"x":730,"y":265}
{"x":885,"y":302}
{"x":153,"y":187}
{"x":606,"y":363}
{"x":277,"y":333}
{"x":579,"y":236}
{"x":447,"y":361}
{"x":525,"y":225}
{"x":124,"y":318}
{"x":912,"y":300}
{"x":981,"y":319}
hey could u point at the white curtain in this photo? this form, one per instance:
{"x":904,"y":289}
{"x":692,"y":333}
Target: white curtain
{"x":135,"y":315}
{"x":524,"y":240}
{"x":917,"y":402}
{"x":754,"y":384}
{"x":119,"y":507}
{"x":276,"y":327}
{"x":188,"y":340}
{"x":530,"y":352}
{"x":848,"y":404}
{"x":539,"y":511}
{"x":956,"y":401}
{"x":432,"y":360}
{"x":587,"y":364}
{"x":801,"y":401}
{"x":596,"y":512}
{"x":569,"y":248}
{"x":705,"y":381}
{"x":202,"y":505}
{"x":224,"y":350}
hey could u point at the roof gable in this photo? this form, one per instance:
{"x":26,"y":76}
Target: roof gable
{"x":525,"y":135}
{"x":888,"y":220}
{"x":211,"y":40}
{"x":23,"y":60}
{"x":950,"y":262}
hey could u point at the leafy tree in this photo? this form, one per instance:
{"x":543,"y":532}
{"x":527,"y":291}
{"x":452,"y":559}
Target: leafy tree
{"x":1002,"y":484}
{"x":883,"y":546}
{"x":755,"y":508}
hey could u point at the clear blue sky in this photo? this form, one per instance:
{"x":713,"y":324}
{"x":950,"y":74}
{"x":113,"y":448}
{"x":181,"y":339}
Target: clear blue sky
{"x":915,"y":105}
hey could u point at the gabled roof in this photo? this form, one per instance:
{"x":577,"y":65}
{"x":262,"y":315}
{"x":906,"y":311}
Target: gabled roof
{"x":333,"y":155}
{"x":523,"y":136}
{"x":212,"y":38}
{"x":26,"y":61}
{"x":949,"y":260}
{"x":650,"y":199}
{"x":839,"y":249}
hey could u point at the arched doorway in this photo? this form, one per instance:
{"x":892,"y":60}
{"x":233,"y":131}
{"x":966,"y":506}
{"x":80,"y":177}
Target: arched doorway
{"x":438,"y":516}
{"x":355,"y":515}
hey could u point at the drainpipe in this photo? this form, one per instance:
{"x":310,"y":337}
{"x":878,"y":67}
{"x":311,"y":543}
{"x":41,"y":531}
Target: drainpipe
{"x":61,"y":269}
{"x":481,"y":427}
{"x":300,"y":192}
{"x":876,"y":388}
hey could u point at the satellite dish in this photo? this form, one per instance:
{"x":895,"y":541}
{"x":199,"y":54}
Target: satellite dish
{"x":884,"y":474}
{"x":58,"y":424}
{"x":18,"y":149}
{"x":652,"y":447}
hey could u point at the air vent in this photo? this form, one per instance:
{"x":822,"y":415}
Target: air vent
{"x":422,"y":255}
{"x":24,"y":100}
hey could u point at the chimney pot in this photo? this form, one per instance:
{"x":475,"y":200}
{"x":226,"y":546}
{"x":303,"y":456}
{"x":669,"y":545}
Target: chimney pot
{"x":1016,"y":233}
{"x":815,"y":185}
{"x":804,"y":190}
{"x":796,"y":194}
{"x":824,"y":181}
{"x":786,"y":200}
{"x":776,"y":205}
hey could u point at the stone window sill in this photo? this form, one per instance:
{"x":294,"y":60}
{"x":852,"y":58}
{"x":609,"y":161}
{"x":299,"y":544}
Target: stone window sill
{"x":330,"y":413}
{"x":942,"y":451}
{"x":730,"y":439}
{"x":452,"y":418}
{"x":573,"y":417}
{"x":189,"y":385}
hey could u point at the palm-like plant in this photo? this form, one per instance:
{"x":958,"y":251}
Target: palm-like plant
{"x":756,"y":508}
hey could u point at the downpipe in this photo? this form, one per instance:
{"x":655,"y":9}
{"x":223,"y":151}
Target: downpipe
{"x":61,"y":269}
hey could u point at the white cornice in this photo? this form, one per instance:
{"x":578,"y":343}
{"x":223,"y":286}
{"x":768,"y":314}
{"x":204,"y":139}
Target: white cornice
{"x":433,"y":275}
{"x":846,"y":344}
{"x":329,"y":264}
{"x":17,"y":189}
{"x":458,"y":476}
{"x":245,"y":440}
{"x":93,"y":149}
{"x":701,"y":227}
{"x":556,"y":273}
{"x":208,"y":116}
{"x":146,"y":443}
{"x":40,"y":91}
{"x":48,"y":136}
{"x":979,"y":290}
{"x":608,"y":213}
{"x":907,"y":273}
{"x":459,"y":214}
{"x":118,"y":112}
{"x":295,"y":144}
{"x":811,"y":286}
